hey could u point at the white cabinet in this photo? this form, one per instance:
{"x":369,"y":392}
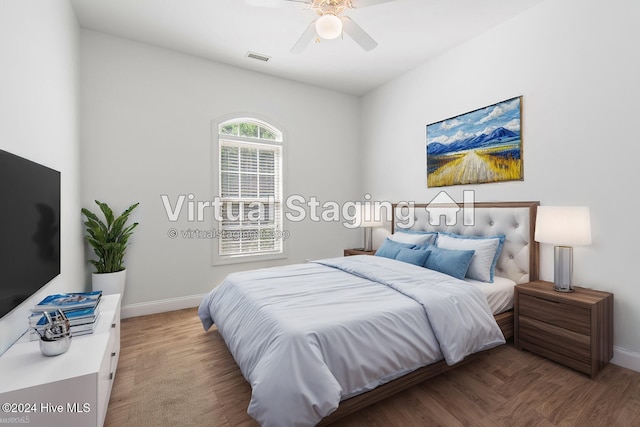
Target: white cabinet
{"x":68,"y":390}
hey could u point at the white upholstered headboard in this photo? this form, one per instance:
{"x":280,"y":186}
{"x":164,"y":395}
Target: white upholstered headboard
{"x":516,"y":220}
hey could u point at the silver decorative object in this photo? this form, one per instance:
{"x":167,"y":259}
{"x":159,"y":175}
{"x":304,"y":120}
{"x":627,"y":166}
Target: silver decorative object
{"x":55,"y":337}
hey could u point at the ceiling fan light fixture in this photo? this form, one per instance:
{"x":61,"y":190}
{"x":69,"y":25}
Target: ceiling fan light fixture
{"x":329,"y":26}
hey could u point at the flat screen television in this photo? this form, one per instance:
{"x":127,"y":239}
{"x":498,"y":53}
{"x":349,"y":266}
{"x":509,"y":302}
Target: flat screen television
{"x":29,"y":228}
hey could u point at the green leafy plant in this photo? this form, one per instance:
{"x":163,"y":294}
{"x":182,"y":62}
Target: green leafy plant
{"x":109,"y":241}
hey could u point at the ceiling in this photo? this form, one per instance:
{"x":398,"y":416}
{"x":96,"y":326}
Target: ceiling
{"x":408,"y":32}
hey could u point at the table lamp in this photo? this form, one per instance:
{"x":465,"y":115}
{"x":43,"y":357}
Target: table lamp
{"x":367,"y":220}
{"x":563,"y":226}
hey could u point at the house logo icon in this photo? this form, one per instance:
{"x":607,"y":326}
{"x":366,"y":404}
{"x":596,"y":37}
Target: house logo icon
{"x":443,"y":205}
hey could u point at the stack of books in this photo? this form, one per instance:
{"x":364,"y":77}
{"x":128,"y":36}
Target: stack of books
{"x":81,"y":308}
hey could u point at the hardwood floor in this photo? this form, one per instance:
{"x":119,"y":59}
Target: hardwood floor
{"x":172,"y":373}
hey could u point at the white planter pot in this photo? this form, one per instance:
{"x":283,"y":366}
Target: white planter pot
{"x":109,"y":283}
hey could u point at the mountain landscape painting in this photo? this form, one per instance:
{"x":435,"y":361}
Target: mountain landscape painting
{"x":478,"y":147}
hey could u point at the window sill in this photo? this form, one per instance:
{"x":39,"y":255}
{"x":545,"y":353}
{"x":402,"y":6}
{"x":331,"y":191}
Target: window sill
{"x":240,"y":259}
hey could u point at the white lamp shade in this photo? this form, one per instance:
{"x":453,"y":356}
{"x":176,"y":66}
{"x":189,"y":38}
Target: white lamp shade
{"x":329,"y":26}
{"x":563,"y":225}
{"x":371,"y":223}
{"x":366,"y":216}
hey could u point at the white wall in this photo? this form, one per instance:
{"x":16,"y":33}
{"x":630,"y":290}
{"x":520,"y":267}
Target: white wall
{"x":576,"y":64}
{"x":38,"y":121}
{"x":146,"y":131}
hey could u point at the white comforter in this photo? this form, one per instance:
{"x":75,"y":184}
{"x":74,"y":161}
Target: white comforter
{"x":306,"y":336}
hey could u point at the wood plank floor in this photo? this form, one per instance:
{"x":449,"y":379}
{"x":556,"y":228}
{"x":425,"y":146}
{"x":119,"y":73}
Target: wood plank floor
{"x":172,"y":373}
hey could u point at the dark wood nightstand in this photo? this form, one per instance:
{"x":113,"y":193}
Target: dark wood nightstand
{"x":349,"y":252}
{"x":575,"y":329}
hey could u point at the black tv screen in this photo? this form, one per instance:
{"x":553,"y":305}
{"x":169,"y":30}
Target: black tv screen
{"x":29,"y":228}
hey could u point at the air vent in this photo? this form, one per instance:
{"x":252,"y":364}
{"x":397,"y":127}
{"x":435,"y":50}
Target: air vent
{"x":258,"y":56}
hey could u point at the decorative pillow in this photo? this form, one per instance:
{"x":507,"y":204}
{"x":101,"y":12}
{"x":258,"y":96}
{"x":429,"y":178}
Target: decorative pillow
{"x":487,"y":250}
{"x":418,"y":238}
{"x":389,"y":248}
{"x":413,"y":256}
{"x":449,"y":261}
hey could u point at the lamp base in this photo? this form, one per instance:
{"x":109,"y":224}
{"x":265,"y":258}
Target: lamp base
{"x":563,"y":269}
{"x":555,"y":288}
{"x":368,"y":239}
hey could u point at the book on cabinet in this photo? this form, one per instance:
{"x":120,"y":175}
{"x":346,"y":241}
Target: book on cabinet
{"x":81,"y":321}
{"x":68,"y":301}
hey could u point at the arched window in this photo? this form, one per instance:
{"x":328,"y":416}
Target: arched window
{"x":250,"y":190}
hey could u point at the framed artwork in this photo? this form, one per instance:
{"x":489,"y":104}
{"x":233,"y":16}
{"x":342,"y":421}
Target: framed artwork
{"x":481,"y":146}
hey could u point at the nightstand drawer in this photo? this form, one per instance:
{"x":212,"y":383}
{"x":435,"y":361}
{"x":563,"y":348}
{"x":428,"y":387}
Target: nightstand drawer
{"x":556,"y":339}
{"x":565,"y":316}
{"x":544,"y":351}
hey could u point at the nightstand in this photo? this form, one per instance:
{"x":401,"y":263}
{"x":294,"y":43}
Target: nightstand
{"x":574,"y":329}
{"x":349,"y":252}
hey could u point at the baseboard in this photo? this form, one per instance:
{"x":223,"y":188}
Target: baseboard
{"x":160,"y":306}
{"x":626,"y":359}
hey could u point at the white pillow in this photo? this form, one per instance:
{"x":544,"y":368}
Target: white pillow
{"x":484,"y":260}
{"x":418,"y":238}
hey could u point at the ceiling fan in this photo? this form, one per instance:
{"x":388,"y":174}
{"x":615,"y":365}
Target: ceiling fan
{"x":331,"y":22}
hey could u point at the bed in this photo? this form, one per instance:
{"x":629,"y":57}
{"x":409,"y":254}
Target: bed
{"x":320,"y":340}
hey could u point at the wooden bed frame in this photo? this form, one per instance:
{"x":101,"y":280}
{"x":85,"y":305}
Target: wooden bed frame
{"x":504,"y":320}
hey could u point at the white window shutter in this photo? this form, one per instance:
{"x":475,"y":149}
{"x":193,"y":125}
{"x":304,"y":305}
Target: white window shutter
{"x":250,"y":177}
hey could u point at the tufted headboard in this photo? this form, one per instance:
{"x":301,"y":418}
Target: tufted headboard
{"x":516,"y":220}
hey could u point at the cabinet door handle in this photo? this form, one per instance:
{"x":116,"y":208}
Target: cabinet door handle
{"x":110,"y":375}
{"x":113,"y":353}
{"x":113,"y":325}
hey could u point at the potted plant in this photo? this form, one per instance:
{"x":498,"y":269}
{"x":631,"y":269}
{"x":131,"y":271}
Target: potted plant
{"x":109,"y":242}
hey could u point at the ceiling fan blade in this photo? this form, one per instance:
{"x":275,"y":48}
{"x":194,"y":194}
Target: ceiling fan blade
{"x":305,"y":38}
{"x":354,"y":31}
{"x":367,"y":3}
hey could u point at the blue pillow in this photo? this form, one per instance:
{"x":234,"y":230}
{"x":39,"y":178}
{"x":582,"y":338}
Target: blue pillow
{"x":389,"y":248}
{"x":487,"y":249}
{"x":413,"y":256}
{"x":449,"y":261}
